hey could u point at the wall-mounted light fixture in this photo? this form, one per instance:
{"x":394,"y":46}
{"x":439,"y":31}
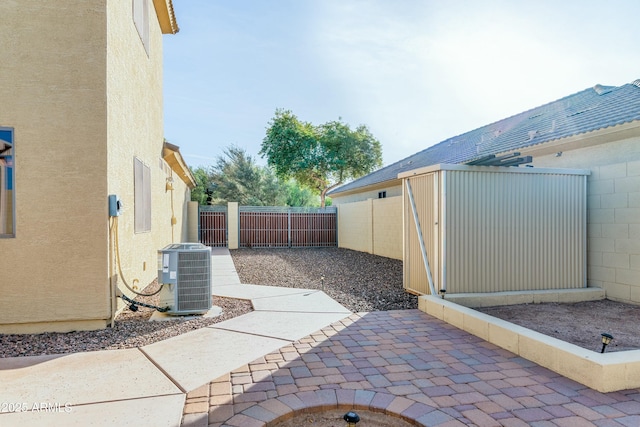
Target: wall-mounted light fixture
{"x":169,"y":184}
{"x":606,"y":339}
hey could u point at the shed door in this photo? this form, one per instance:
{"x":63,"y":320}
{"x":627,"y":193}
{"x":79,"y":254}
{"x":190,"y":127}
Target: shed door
{"x":425,"y":195}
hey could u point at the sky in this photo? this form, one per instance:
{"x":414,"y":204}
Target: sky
{"x":415,"y":72}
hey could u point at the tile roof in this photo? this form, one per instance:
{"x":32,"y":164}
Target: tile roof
{"x":588,"y":110}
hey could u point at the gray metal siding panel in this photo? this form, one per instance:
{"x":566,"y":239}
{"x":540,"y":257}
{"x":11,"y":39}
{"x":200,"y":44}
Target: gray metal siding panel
{"x":511,"y":232}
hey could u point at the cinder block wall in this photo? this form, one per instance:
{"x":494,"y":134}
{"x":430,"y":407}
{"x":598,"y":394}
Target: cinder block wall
{"x":355,"y":226}
{"x":613,"y":227}
{"x":614,"y":230}
{"x":387,"y":227}
{"x":193,"y":222}
{"x":233,"y":225}
{"x":373,"y":226}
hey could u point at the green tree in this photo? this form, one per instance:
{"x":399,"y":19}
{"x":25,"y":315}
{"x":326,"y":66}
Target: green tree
{"x":297,"y":195}
{"x":236,"y":177}
{"x":203,"y":182}
{"x":319,"y":157}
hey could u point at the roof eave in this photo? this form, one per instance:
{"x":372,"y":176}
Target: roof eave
{"x":494,"y":169}
{"x":166,"y":16}
{"x":582,"y":140}
{"x":376,"y":186}
{"x":171,"y":155}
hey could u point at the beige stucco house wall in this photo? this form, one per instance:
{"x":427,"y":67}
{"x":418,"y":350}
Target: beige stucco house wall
{"x":84,"y":97}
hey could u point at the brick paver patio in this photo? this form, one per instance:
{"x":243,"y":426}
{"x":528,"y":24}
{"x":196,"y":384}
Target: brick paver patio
{"x":411,"y":365}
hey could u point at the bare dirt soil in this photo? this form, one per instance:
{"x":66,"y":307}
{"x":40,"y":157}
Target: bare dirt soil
{"x":578,"y":323}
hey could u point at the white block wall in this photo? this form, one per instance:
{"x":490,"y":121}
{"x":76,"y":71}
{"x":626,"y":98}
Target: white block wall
{"x":613,"y":204}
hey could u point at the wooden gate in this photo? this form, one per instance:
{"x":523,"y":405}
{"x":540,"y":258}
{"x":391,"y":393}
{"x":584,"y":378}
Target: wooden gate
{"x":213,"y":226}
{"x":287,"y":227}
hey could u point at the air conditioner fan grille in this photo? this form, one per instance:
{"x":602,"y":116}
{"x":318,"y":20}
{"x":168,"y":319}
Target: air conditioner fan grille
{"x":194,"y":290}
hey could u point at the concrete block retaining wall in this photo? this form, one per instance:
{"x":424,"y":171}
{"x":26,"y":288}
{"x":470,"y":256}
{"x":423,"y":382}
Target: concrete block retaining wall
{"x":603,"y":372}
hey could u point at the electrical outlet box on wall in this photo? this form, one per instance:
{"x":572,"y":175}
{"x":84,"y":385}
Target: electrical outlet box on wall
{"x":115,"y":205}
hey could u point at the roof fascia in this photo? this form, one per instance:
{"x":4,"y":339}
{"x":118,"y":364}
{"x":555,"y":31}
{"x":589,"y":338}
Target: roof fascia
{"x":589,"y":139}
{"x":596,"y":137}
{"x":377,"y":186}
{"x":492,"y":169}
{"x":166,"y":16}
{"x":583,"y":140}
{"x":171,"y":155}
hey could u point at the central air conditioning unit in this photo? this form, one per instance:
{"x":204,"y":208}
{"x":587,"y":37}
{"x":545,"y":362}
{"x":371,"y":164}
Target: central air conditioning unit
{"x":184,"y":271}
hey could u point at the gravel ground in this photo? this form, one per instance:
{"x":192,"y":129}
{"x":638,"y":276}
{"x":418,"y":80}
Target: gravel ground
{"x":132,"y":329}
{"x":357,"y":280}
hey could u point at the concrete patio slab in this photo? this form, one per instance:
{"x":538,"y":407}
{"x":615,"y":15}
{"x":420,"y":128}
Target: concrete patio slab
{"x":223,"y":271}
{"x":197,"y":357}
{"x":224,"y":277}
{"x":157,"y":411}
{"x":157,"y":316}
{"x":284,"y":325}
{"x":310,"y":302}
{"x":82,"y":378}
{"x":255,"y":291}
{"x":25,"y":362}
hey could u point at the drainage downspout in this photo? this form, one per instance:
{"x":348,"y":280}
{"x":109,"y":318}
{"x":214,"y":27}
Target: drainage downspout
{"x":423,"y":250}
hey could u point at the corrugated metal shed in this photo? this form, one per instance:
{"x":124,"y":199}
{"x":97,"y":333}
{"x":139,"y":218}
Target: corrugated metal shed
{"x":494,"y":229}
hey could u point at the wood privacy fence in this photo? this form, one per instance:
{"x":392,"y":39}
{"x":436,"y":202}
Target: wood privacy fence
{"x":213,"y":226}
{"x":287,"y":227}
{"x":268,"y":226}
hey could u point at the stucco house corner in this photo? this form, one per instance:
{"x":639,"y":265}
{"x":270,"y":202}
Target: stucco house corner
{"x":81,"y":119}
